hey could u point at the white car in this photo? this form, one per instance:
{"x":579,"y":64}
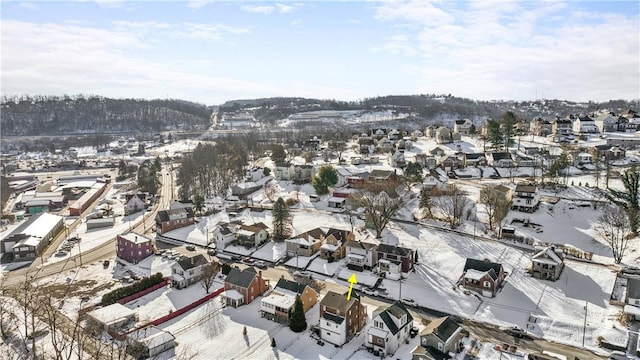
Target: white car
{"x":370,"y":292}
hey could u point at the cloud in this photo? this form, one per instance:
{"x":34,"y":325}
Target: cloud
{"x":28,"y":6}
{"x":484,"y":51}
{"x":110,"y":4}
{"x":262,"y":9}
{"x":209,"y":32}
{"x":196,"y":4}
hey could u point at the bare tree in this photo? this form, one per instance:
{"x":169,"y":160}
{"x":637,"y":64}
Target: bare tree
{"x":208,"y":274}
{"x":614,"y":227}
{"x":453,"y":206}
{"x":379,"y":207}
{"x":270,"y":190}
{"x":496,"y":205}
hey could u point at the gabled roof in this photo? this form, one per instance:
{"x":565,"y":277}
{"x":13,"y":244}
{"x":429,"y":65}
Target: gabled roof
{"x":316,"y":233}
{"x":443,"y":328}
{"x":165,"y":215}
{"x":526,"y":188}
{"x":338,"y":301}
{"x":548,"y":253}
{"x":291,"y":286}
{"x":397,"y":309}
{"x":339,"y":234}
{"x":192,"y":262}
{"x":394,"y":250}
{"x":361,"y":245}
{"x":482,"y":265}
{"x":501,"y":155}
{"x":242,"y":278}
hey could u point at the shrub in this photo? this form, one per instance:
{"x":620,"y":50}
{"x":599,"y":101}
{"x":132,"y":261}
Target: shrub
{"x":225,"y":269}
{"x":121,"y":293}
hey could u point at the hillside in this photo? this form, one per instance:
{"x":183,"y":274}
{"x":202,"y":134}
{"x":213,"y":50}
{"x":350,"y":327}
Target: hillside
{"x":32,"y":116}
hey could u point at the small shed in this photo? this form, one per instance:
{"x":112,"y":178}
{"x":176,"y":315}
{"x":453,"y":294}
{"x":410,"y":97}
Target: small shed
{"x":111,"y":316}
{"x":149,"y":342}
{"x":99,"y":223}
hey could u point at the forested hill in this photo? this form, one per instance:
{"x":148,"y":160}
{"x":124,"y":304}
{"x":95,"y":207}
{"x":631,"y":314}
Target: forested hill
{"x":45,"y":115}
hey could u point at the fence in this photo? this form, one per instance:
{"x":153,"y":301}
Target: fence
{"x":144,"y":292}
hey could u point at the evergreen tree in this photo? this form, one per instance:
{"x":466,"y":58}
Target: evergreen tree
{"x":298,"y":320}
{"x":494,"y":134}
{"x":413,"y":172}
{"x":327,"y":176}
{"x":281,"y":220}
{"x":198,"y":203}
{"x":508,"y":123}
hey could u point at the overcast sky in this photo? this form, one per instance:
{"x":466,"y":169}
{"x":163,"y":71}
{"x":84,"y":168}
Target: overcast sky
{"x":212,"y":51}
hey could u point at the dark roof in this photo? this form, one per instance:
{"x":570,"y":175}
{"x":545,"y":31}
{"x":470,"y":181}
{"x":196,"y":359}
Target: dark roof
{"x":501,"y":155}
{"x":191,"y":262}
{"x":397,"y":309}
{"x":460,"y":122}
{"x":291,"y":286}
{"x":333,"y":318}
{"x":633,"y":288}
{"x":164,"y":215}
{"x":384,"y":174}
{"x":526,"y":188}
{"x":242,"y":278}
{"x":442,"y":327}
{"x":338,"y":301}
{"x":482,"y":265}
{"x":394,"y":250}
{"x":339,"y":234}
{"x":470,"y":156}
{"x":361,"y":244}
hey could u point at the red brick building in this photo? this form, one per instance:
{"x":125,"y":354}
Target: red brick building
{"x":168,"y":220}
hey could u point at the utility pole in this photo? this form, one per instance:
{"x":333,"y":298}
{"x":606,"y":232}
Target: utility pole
{"x":584,"y":327}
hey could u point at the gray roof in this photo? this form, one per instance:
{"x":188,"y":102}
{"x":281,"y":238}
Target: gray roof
{"x":338,"y":301}
{"x":164,"y":215}
{"x":361,"y":245}
{"x":526,"y":188}
{"x":242,"y":278}
{"x":395,"y":250}
{"x":482,"y":266}
{"x":633,"y":288}
{"x":397,"y":309}
{"x":187,"y":263}
{"x":291,"y":286}
{"x":443,"y":328}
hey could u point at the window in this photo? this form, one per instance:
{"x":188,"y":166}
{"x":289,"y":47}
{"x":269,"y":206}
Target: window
{"x":487,"y":284}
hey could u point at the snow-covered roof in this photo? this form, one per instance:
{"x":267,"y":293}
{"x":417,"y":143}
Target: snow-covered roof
{"x":280,"y":299}
{"x":135,"y":238}
{"x":335,"y":199}
{"x":112,"y":314}
{"x":474,"y":274}
{"x":631,"y":310}
{"x":378,"y":332}
{"x":232,"y":294}
{"x":547,"y":256}
{"x":301,"y":241}
{"x":329,"y":247}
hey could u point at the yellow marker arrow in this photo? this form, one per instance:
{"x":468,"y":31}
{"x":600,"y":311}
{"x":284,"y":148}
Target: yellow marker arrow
{"x":352,"y":280}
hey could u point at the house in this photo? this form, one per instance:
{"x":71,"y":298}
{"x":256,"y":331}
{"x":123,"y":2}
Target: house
{"x":394,"y":260}
{"x":444,"y":135}
{"x":540,"y":127}
{"x":482,"y":276}
{"x":473,"y":159}
{"x":606,"y":122}
{"x":278,"y":305}
{"x":430,"y":131}
{"x":133,"y":247}
{"x":449,"y":162}
{"x":251,"y":235}
{"x":561,"y":127}
{"x":283,"y":171}
{"x":343,"y":175}
{"x":462,"y":127}
{"x":334,"y":244}
{"x":382,"y":176}
{"x":134,"y":204}
{"x":547,"y":264}
{"x":167,"y":220}
{"x":500,"y":159}
{"x":254,"y":174}
{"x":584,"y":125}
{"x":389,"y":328}
{"x":526,"y":198}
{"x":341,"y":318}
{"x":397,"y":159}
{"x":633,"y":292}
{"x":243,"y":286}
{"x":428,"y":162}
{"x":336,"y":202}
{"x":111,"y":316}
{"x":241,"y":190}
{"x":28,"y":240}
{"x":223,"y":235}
{"x":442,"y":334}
{"x":361,"y":255}
{"x":582,"y":158}
{"x":305,"y":244}
{"x":302,"y":174}
{"x":187,"y":270}
{"x":386,"y":145}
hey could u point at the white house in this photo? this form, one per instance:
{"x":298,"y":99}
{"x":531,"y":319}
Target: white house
{"x":462,"y":127}
{"x":134,"y":205}
{"x":526,"y":198}
{"x":361,"y":255}
{"x":187,"y":270}
{"x":606,"y":122}
{"x":283,"y":171}
{"x":223,"y":235}
{"x":389,"y":328}
{"x":343,"y":175}
{"x":584,"y":125}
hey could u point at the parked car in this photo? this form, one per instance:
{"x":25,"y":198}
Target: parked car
{"x":371,"y":292}
{"x":408,"y":301}
{"x":518,"y":333}
{"x":248,"y":261}
{"x":105,"y":264}
{"x":61,"y":253}
{"x":261,"y":264}
{"x":302,"y":274}
{"x":211,"y":252}
{"x":190,"y":248}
